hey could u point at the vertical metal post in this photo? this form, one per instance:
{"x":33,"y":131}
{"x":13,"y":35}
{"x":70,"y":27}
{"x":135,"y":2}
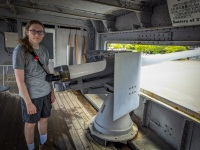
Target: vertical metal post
{"x":6,"y":74}
{"x":145,"y":113}
{"x":184,"y":135}
{"x":3,"y":74}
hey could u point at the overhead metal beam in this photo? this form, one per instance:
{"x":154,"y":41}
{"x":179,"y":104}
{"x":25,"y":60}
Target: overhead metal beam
{"x":47,"y":18}
{"x":9,"y":3}
{"x":51,"y":9}
{"x":154,"y":36}
{"x":98,"y":25}
{"x":124,"y":4}
{"x":14,"y":11}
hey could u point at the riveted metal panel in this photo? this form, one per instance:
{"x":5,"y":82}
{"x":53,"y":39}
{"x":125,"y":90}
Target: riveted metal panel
{"x":188,"y":36}
{"x":166,"y":124}
{"x":175,"y":128}
{"x":127,"y":22}
{"x":195,"y":144}
{"x":160,"y":17}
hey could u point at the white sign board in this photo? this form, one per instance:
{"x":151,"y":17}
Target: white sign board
{"x":184,"y":12}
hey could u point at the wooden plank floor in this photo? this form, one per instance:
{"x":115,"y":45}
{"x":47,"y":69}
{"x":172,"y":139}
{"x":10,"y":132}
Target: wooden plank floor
{"x":68,"y":124}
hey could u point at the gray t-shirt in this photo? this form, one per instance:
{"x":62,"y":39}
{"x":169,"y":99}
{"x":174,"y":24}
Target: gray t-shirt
{"x":34,"y":75}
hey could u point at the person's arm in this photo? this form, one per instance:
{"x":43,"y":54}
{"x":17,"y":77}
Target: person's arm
{"x":19,"y":74}
{"x":47,"y":69}
{"x":52,"y":90}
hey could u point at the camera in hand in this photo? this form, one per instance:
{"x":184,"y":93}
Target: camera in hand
{"x":52,"y":77}
{"x":62,"y":76}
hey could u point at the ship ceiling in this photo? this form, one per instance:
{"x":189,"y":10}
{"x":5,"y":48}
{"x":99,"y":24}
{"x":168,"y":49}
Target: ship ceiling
{"x":106,"y":14}
{"x":82,"y":9}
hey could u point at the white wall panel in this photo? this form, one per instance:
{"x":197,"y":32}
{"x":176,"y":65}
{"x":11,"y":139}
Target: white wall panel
{"x":61,"y":46}
{"x":62,"y":38}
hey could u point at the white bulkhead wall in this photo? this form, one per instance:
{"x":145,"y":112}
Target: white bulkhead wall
{"x":76,"y":44}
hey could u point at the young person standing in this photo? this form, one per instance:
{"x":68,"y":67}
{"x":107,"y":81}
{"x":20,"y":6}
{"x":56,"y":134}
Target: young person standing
{"x":36,"y":93}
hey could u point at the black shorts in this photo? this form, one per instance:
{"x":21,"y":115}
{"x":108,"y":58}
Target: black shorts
{"x":43,"y":105}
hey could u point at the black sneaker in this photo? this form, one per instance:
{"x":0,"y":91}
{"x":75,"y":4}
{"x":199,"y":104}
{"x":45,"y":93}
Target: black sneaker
{"x":48,"y":146}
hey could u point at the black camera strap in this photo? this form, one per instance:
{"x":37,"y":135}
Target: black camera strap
{"x":34,"y":55}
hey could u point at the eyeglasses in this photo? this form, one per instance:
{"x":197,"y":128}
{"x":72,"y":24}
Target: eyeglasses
{"x":34,"y":32}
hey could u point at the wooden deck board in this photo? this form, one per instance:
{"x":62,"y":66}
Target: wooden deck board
{"x":11,"y":125}
{"x":58,"y":127}
{"x":83,"y":125}
{"x":72,"y":124}
{"x":81,"y":106}
{"x":79,"y":123}
{"x":82,"y":122}
{"x":81,"y":100}
{"x":16,"y":131}
{"x":65,"y":134}
{"x":86,"y":116}
{"x":80,"y":110}
{"x":7,"y":122}
{"x":67,"y":125}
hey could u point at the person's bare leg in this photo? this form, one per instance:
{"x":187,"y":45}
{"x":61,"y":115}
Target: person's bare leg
{"x":29,"y":129}
{"x":42,"y":127}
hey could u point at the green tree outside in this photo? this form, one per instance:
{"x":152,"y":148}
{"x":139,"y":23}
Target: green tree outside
{"x":147,"y":49}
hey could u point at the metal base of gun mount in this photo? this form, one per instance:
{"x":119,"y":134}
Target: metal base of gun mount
{"x":103,"y":126}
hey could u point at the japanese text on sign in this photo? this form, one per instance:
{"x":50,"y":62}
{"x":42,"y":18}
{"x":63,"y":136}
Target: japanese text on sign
{"x":184,"y":12}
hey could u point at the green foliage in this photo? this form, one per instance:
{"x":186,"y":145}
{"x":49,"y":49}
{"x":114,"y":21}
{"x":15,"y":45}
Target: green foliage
{"x":148,"y":49}
{"x":116,"y":46}
{"x":129,"y":47}
{"x":172,"y":49}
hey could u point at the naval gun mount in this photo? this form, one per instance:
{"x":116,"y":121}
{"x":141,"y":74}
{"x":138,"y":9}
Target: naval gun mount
{"x":117,"y":76}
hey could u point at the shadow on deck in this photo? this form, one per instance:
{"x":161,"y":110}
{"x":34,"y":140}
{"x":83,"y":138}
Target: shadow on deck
{"x":68,"y":124}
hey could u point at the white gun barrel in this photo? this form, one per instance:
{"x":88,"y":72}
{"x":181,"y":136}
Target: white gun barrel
{"x":150,"y":60}
{"x":81,"y":70}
